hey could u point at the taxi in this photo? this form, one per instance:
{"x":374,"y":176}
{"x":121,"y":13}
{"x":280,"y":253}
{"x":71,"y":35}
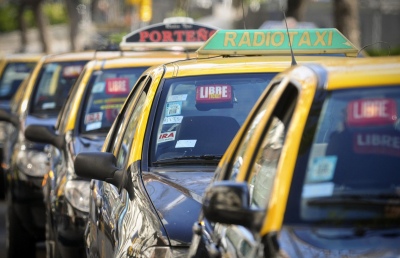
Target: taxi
{"x":14,"y":68}
{"x":313,"y":172}
{"x":83,"y":123}
{"x":168,"y":138}
{"x":24,"y":162}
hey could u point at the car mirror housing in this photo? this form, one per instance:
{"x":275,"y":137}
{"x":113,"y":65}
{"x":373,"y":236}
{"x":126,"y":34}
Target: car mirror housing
{"x":44,"y":134}
{"x":102,"y":166}
{"x":228,"y":202}
{"x":7,"y":116}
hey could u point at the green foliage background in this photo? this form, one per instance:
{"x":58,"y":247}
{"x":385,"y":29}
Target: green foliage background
{"x":55,"y":13}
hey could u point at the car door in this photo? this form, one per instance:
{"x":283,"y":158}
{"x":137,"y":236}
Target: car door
{"x":256,"y":162}
{"x":111,"y":202}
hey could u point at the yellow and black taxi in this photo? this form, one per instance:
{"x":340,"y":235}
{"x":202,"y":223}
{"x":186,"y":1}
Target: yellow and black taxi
{"x":166,"y":142}
{"x":313,"y":172}
{"x":83,"y":123}
{"x":14,"y":68}
{"x":24,"y":161}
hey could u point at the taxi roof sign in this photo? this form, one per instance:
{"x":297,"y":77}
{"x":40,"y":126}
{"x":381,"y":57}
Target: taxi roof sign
{"x":173,"y":33}
{"x":270,"y":42}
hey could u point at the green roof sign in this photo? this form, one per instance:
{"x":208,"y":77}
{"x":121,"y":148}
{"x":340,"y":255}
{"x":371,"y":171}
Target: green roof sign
{"x":257,"y":42}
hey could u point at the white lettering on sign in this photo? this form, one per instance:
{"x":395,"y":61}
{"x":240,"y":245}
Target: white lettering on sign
{"x":213,"y":93}
{"x":117,"y":86}
{"x":371,"y":112}
{"x":166,"y":137}
{"x":378,"y":140}
{"x":368,"y":109}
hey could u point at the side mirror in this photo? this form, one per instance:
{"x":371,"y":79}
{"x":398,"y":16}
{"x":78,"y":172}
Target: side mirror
{"x":228,"y":202}
{"x":7,"y":116}
{"x":44,"y":134}
{"x":102,"y":166}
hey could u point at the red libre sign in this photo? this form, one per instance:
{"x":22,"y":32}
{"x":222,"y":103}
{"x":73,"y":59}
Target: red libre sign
{"x":371,"y":112}
{"x":377,"y":143}
{"x":214,"y":93}
{"x":117,"y":86}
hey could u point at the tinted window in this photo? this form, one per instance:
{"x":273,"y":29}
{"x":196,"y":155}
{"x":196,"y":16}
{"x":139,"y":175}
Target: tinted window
{"x":106,"y":93}
{"x":53,"y":85}
{"x":351,"y":170}
{"x":13,"y":75}
{"x":200,"y":115}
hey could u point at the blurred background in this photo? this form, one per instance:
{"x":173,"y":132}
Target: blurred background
{"x":54,"y":26}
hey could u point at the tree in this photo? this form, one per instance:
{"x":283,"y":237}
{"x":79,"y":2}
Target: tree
{"x":74,"y":17}
{"x":41,"y":23}
{"x":347,"y":19}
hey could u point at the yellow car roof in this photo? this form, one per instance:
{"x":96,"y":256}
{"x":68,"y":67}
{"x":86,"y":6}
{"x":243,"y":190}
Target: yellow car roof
{"x":245,"y":64}
{"x":22,"y":57}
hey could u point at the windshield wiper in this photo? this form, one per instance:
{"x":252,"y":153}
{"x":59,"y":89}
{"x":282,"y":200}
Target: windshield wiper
{"x":206,"y":158}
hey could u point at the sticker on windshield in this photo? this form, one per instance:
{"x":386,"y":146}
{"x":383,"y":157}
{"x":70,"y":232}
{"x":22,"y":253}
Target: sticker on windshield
{"x":181,"y":97}
{"x":322,"y":168}
{"x":172,"y":120}
{"x":72,"y":71}
{"x":185,"y":143}
{"x":173,"y":108}
{"x":317,"y":190}
{"x":166,"y":137}
{"x":93,"y":117}
{"x":99,"y":87}
{"x":117,"y":86}
{"x":214,"y":93}
{"x":377,"y":143}
{"x":93,"y":126}
{"x":48,"y":105}
{"x":371,"y":112}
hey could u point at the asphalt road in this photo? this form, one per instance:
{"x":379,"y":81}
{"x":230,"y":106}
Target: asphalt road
{"x":41,"y":252}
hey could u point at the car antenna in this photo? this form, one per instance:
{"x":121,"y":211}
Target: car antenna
{"x":290,"y":43}
{"x":244,"y":17}
{"x":364,"y":47}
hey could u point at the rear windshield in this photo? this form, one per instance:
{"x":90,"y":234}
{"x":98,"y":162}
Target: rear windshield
{"x":106,"y":93}
{"x":352,"y":172}
{"x":13,"y":75}
{"x":53,"y":85}
{"x":197,"y":117}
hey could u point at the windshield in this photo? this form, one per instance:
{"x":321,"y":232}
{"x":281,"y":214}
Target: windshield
{"x":13,"y":75}
{"x":197,"y":117}
{"x":106,"y":93}
{"x":53,"y":85}
{"x":350,"y":172}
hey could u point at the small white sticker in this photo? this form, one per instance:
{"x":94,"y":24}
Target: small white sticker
{"x":317,"y":190}
{"x":322,"y":168}
{"x":99,"y":87}
{"x":173,"y":108}
{"x":93,"y":126}
{"x":185,"y":143}
{"x":166,"y":137}
{"x":48,"y":105}
{"x":181,"y":97}
{"x":93,"y":117}
{"x":172,"y":120}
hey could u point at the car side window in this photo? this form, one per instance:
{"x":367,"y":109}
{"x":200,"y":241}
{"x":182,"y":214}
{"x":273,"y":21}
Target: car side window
{"x":130,"y":127}
{"x":120,"y":123}
{"x":266,"y":160}
{"x":241,"y":152}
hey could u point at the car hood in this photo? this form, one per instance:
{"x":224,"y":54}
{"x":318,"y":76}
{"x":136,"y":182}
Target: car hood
{"x":177,"y":197}
{"x":339,"y":242}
